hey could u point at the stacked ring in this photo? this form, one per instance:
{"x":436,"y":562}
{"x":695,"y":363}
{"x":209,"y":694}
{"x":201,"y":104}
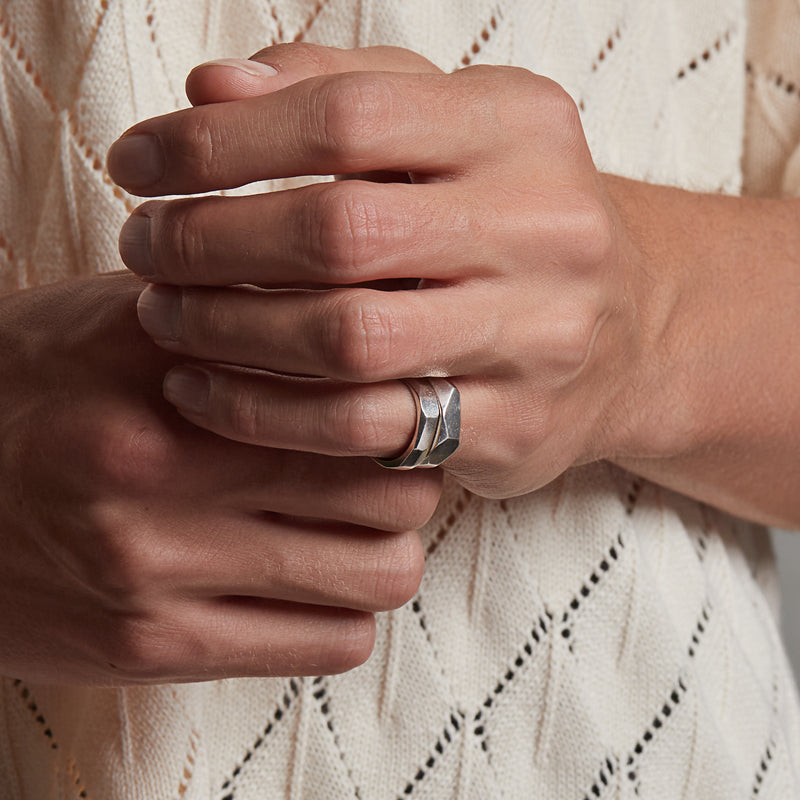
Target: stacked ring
{"x":438,"y":425}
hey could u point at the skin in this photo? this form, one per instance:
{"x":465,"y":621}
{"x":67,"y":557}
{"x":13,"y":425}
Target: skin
{"x":162,"y":552}
{"x":640,"y":324}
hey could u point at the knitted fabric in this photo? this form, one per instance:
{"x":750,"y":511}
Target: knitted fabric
{"x":601,"y":638}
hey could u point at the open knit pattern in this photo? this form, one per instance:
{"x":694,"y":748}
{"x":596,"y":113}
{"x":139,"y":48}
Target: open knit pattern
{"x":601,"y":638}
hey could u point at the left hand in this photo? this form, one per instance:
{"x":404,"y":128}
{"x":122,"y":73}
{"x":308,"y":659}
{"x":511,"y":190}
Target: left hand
{"x":527,"y":298}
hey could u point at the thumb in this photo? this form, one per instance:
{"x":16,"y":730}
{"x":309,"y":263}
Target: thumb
{"x":281,"y":65}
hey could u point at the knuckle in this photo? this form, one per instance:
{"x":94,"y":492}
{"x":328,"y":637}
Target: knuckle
{"x":180,"y":240}
{"x":123,"y":565}
{"x":207,"y":323}
{"x":575,"y":337}
{"x":501,"y":78}
{"x":358,"y":424}
{"x":410,"y":499}
{"x":399,"y":571}
{"x":554,"y":99}
{"x":593,"y":233}
{"x":139,"y":650}
{"x":347,"y":223}
{"x":562,"y":115}
{"x":247,"y":415}
{"x":357,"y":344}
{"x":501,"y":464}
{"x":352,"y":646}
{"x":354,"y":116}
{"x":132,"y":454}
{"x":509,"y":92}
{"x":191,"y":141}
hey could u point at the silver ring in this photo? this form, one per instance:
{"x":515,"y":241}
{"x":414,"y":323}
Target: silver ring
{"x":449,"y":432}
{"x":428,"y":413}
{"x":438,"y":425}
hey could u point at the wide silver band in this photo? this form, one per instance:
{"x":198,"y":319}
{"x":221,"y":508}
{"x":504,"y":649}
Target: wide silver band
{"x":428,"y":414}
{"x":438,"y":427}
{"x":449,"y":432}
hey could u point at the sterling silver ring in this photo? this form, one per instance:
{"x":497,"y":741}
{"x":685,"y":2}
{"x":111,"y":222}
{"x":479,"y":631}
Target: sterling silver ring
{"x":449,"y":432}
{"x":438,"y":425}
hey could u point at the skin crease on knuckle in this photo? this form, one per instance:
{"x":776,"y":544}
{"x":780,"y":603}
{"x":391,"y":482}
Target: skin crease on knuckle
{"x":350,"y":648}
{"x":352,"y":117}
{"x":358,"y":337}
{"x":367,"y":571}
{"x":346,"y":230}
{"x":533,"y":105}
{"x":130,"y":452}
{"x":407,"y":501}
{"x":358,"y":423}
{"x":248,"y":415}
{"x":190,"y":143}
{"x":207,"y":321}
{"x":149,"y":648}
{"x":398,"y":570}
{"x":179,"y":245}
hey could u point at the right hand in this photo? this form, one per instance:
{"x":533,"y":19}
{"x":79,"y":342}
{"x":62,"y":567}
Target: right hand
{"x":138,"y":548}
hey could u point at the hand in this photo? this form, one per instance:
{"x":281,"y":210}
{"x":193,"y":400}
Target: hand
{"x":526,"y":296}
{"x":138,"y":548}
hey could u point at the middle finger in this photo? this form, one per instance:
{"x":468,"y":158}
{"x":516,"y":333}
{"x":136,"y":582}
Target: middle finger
{"x":324,"y":234}
{"x":355,"y":335}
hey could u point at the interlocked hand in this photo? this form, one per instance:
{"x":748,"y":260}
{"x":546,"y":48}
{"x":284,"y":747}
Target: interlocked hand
{"x":138,"y":548}
{"x":490,"y":207}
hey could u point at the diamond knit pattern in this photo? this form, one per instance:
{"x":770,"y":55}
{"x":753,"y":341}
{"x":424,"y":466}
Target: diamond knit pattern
{"x":601,"y":638}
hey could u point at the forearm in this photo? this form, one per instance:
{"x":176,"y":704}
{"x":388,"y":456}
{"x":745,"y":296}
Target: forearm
{"x":712,"y":408}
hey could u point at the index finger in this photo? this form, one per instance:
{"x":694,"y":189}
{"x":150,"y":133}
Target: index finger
{"x":347,"y":123}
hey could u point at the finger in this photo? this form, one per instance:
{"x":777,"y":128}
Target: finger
{"x":256,"y":638}
{"x":377,"y":420}
{"x":355,"y":491}
{"x":298,"y":560}
{"x":348,"y":123}
{"x":281,"y":65}
{"x":323,"y":234}
{"x":353,"y":335}
{"x":148,"y":460}
{"x":498,"y":425}
{"x":294,"y":414}
{"x":238,"y":637}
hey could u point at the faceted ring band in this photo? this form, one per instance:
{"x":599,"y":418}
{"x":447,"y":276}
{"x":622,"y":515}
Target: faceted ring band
{"x":449,"y":432}
{"x":438,"y":425}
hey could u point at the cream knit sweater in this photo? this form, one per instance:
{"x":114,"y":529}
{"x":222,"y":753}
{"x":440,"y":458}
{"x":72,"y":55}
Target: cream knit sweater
{"x":602,"y":638}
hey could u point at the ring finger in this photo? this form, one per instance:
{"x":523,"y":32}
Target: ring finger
{"x":325,"y":417}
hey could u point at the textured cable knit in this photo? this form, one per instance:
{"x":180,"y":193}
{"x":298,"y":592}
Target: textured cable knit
{"x":601,"y":638}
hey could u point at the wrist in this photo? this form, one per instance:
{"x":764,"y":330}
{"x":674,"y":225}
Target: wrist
{"x":709,"y":405}
{"x":656,"y":411}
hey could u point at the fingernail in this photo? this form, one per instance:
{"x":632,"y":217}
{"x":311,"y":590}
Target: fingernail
{"x":159,"y":310}
{"x":188,"y":389}
{"x":254,"y":68}
{"x":134,"y":245}
{"x":136,"y":160}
